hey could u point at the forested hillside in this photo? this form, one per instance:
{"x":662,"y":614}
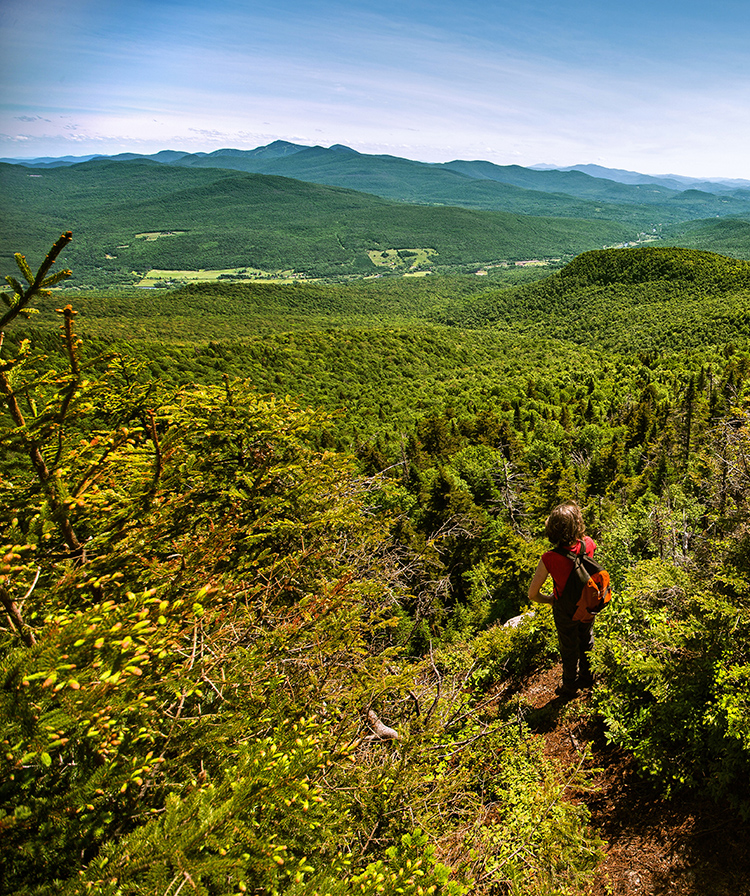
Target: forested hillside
{"x":136,"y":216}
{"x":636,"y":300}
{"x":254,"y":587}
{"x":729,"y":236}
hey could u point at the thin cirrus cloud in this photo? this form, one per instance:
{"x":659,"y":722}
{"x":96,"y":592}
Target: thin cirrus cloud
{"x":654,"y":87}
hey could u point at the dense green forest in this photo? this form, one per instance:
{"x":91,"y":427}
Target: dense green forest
{"x":728,"y":236}
{"x":256,"y":568}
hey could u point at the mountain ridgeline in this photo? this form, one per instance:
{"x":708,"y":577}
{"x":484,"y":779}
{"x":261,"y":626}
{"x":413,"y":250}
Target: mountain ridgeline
{"x":133,"y":217}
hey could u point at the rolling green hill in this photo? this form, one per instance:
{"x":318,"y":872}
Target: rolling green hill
{"x":640,"y":299}
{"x":132,"y":217}
{"x":727,"y":236}
{"x":626,"y":300}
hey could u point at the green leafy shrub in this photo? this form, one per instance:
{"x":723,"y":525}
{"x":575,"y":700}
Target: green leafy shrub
{"x":504,"y":652}
{"x":673,"y":684}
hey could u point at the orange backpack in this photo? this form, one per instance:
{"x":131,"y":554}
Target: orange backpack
{"x":587,"y":590}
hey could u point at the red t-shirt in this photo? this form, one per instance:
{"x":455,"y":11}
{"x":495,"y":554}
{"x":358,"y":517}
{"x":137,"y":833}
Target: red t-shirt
{"x":559,"y":567}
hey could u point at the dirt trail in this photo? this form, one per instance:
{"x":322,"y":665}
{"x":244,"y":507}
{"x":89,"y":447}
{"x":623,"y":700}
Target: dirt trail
{"x":654,"y":847}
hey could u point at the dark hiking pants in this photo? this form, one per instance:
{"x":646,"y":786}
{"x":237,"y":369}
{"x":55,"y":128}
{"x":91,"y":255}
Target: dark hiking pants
{"x":576,"y":640}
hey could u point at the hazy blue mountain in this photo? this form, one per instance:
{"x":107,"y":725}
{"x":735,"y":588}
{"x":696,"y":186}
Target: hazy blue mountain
{"x":166,"y":156}
{"x":470,"y":184}
{"x":481,"y":184}
{"x":671,"y":181}
{"x":49,"y":162}
{"x":391,"y":177}
{"x":571,"y":182}
{"x":475,"y":184}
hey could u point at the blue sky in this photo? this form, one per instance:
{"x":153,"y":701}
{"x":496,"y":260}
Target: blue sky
{"x":657,"y":87}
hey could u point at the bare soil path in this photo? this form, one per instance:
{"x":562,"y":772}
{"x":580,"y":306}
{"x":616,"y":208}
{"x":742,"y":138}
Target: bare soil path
{"x":655,"y":847}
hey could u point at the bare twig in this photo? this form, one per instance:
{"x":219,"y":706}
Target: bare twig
{"x":14,"y":614}
{"x":439,"y":683}
{"x":33,"y":585}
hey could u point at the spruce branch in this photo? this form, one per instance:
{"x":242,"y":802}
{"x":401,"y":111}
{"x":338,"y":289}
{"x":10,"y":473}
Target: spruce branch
{"x":71,"y":340}
{"x":158,"y":461}
{"x":38,"y":284}
{"x":44,"y":474}
{"x":95,"y":470}
{"x":228,"y":389}
{"x":71,"y":344}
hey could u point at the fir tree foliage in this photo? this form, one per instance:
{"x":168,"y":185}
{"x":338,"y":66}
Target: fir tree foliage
{"x":204,"y":645}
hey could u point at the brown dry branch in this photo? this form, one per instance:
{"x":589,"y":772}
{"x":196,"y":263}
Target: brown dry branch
{"x":381,"y":731}
{"x":14,"y":615}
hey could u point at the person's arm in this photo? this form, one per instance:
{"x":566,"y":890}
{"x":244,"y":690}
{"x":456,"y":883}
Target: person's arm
{"x":540,"y":577}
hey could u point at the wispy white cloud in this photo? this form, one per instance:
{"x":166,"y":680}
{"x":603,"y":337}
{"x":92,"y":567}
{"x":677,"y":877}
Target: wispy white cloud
{"x":658,"y":85}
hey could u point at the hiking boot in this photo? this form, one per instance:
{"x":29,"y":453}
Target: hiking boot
{"x":567,"y":693}
{"x":585,"y":681}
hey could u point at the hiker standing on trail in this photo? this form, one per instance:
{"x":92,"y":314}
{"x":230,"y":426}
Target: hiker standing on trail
{"x":565,"y":530}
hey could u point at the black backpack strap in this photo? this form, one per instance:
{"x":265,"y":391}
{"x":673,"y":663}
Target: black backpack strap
{"x":577,"y":578}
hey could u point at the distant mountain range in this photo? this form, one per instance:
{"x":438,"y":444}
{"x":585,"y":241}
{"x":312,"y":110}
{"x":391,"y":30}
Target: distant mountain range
{"x":338,"y":212}
{"x":137,"y":216}
{"x":584,"y":191}
{"x":671,"y":181}
{"x":282,"y":149}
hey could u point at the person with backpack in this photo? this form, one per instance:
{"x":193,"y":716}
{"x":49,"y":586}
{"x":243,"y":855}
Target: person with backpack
{"x":580,"y":589}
